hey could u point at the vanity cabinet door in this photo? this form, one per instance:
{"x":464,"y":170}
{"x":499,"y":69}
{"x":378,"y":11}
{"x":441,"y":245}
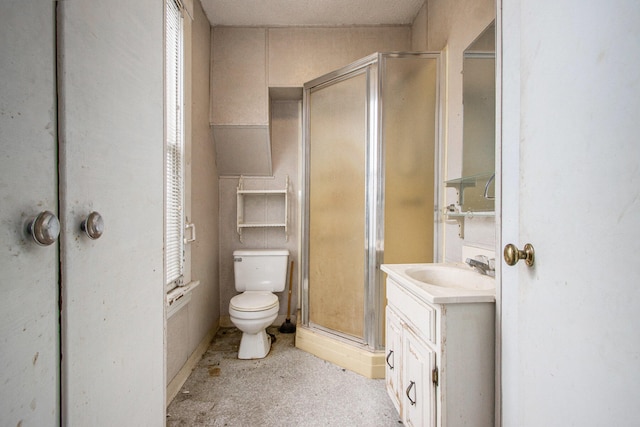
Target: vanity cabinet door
{"x":393,"y":354}
{"x":418,"y":394}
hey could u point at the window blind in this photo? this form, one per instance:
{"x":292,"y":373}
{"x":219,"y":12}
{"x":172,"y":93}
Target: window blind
{"x":174,"y":147}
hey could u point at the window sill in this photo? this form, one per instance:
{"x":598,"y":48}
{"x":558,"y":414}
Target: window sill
{"x":179,"y":297}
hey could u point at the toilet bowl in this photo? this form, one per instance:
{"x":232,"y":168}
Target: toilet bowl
{"x":257,"y":273}
{"x":252,"y":312}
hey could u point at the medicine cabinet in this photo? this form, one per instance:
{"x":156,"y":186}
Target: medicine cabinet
{"x":476,"y":187}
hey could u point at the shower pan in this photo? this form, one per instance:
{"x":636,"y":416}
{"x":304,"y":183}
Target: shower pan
{"x":370,"y":157}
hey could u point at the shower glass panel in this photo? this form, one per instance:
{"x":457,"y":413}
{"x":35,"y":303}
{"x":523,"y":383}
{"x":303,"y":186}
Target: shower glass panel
{"x":370,"y":151}
{"x":336,"y":205}
{"x":409,"y":94}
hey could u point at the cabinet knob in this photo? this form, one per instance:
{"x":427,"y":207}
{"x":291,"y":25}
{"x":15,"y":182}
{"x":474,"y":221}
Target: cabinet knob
{"x":512,"y":254}
{"x":44,"y":228}
{"x":93,"y":226}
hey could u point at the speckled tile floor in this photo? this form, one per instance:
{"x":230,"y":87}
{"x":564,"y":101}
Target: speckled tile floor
{"x":287,"y":388}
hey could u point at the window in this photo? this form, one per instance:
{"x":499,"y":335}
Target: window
{"x":174,"y":147}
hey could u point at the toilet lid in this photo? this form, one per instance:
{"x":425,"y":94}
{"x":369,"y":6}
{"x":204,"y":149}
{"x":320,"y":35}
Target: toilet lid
{"x":254,"y":301}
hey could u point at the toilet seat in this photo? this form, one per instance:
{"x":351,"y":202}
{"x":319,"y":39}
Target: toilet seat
{"x":251,"y":301}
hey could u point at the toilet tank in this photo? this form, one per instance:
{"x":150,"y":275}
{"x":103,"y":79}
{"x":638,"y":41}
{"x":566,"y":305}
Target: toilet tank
{"x":260,"y":269}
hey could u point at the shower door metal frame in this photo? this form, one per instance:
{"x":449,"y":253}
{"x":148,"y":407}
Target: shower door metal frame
{"x":374,"y":190}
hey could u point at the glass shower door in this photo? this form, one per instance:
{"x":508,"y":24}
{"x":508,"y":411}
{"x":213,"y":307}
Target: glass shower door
{"x":337,"y":201}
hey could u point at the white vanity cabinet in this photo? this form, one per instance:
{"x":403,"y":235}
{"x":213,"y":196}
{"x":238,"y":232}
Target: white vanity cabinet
{"x":439,"y":358}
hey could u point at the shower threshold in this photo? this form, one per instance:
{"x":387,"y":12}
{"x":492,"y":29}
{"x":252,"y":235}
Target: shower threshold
{"x":346,"y":353}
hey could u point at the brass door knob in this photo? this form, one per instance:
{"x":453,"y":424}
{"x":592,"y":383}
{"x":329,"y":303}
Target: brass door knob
{"x":512,"y":254}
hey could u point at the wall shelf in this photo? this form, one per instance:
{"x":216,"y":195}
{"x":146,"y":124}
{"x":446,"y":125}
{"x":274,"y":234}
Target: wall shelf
{"x":453,"y":214}
{"x":460,"y":184}
{"x":242,"y":195}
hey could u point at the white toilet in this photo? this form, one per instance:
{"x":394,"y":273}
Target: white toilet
{"x":258,"y":273}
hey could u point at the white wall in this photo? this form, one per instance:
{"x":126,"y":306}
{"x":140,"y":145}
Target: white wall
{"x":192,"y":323}
{"x":285,"y":134}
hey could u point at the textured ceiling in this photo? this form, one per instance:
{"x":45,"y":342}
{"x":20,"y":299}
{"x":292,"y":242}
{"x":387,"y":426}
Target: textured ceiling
{"x":310,"y":12}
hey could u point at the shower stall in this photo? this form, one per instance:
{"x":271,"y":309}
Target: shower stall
{"x":369,"y":195}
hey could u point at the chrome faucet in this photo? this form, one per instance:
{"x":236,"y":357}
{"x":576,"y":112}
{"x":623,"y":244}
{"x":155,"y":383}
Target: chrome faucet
{"x":483,"y":265}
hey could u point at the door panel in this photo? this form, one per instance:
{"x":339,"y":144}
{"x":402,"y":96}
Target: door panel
{"x":419,"y":401}
{"x":111,"y":119}
{"x":570,"y":186}
{"x":29,"y":331}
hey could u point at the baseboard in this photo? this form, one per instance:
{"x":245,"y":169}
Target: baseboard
{"x":183,"y":374}
{"x":351,"y":357}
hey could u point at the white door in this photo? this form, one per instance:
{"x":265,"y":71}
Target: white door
{"x":29,"y":331}
{"x":111,"y":141}
{"x":571,"y":188}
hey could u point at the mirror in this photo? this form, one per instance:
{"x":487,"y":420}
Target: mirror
{"x":479,"y":102}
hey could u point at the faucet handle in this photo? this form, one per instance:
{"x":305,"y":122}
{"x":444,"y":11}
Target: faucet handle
{"x":482,"y":264}
{"x":482,"y":258}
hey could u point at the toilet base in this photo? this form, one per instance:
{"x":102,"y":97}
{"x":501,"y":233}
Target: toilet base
{"x":254,"y":346}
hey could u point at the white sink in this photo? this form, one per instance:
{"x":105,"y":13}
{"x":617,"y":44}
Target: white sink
{"x":451,"y":276}
{"x":443,"y":283}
